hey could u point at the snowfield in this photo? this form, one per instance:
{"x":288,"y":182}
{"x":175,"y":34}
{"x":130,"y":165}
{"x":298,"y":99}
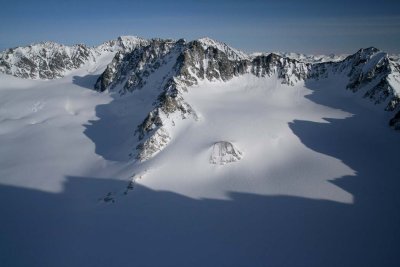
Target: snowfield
{"x":253,"y":114}
{"x":313,"y":179}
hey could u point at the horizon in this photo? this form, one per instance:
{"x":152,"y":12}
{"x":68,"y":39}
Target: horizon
{"x":309,"y":27}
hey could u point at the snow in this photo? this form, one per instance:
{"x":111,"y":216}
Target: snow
{"x":255,"y":117}
{"x":316,"y":185}
{"x":39,"y":123}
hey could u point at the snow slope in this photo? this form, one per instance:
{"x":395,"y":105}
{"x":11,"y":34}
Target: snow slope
{"x":41,"y":120}
{"x":253,"y":113}
{"x":316,"y":182}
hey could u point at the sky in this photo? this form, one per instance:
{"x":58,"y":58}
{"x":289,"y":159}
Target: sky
{"x":309,"y":26}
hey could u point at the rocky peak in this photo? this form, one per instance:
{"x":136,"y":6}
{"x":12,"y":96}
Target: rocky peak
{"x":231,"y":53}
{"x":131,"y":70}
{"x":122,"y":44}
{"x":371,"y":69}
{"x":184,"y":64}
{"x":206,"y":59}
{"x":200,"y":61}
{"x":47,"y":60}
{"x":364,"y":54}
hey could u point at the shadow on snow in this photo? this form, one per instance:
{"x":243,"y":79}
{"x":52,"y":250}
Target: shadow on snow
{"x":86,"y":81}
{"x":158,"y":228}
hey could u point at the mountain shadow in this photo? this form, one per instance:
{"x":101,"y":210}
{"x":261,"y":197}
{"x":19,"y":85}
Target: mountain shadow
{"x":158,"y":228}
{"x":86,"y":81}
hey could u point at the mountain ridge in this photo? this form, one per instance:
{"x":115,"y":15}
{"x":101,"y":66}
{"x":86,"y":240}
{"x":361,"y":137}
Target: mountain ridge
{"x":172,"y":66}
{"x":368,"y":70}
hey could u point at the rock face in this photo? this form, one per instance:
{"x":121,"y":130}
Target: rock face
{"x":224,"y":152}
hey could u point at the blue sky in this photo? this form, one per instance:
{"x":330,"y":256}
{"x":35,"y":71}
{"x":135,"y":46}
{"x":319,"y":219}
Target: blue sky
{"x":309,"y":26}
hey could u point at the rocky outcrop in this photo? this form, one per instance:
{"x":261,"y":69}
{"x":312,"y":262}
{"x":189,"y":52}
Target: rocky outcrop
{"x":224,"y":152}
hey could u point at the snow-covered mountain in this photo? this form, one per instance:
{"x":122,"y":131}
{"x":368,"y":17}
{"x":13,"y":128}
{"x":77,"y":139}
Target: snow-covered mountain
{"x":173,"y":66}
{"x":44,"y":61}
{"x":49,"y":60}
{"x":160,"y":152}
{"x":176,"y":65}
